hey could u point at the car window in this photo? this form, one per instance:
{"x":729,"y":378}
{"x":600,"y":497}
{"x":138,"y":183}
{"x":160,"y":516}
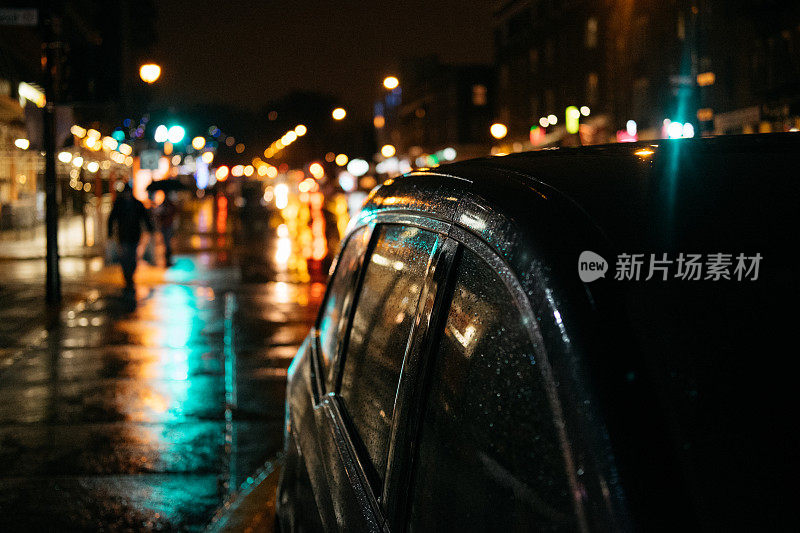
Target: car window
{"x":333,"y":315}
{"x":382,"y":322}
{"x":489,"y":458}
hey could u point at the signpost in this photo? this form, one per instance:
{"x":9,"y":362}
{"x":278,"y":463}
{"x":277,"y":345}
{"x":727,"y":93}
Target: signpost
{"x":148,"y":159}
{"x":19,"y":16}
{"x":51,"y":49}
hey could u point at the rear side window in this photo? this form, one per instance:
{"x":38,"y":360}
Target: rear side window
{"x":382,"y":322}
{"x":333,"y":316}
{"x":489,"y":458}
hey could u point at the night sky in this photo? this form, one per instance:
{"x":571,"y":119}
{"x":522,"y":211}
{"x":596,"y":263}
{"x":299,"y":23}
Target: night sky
{"x":247,"y":53}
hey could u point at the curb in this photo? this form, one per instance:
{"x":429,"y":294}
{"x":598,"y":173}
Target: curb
{"x":252,"y":508}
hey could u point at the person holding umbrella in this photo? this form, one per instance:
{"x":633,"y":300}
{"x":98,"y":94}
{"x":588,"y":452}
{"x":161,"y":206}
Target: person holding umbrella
{"x":128,"y":215}
{"x":166,"y":212}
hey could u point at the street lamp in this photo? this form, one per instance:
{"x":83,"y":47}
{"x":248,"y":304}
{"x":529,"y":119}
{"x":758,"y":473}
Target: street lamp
{"x":391,"y":82}
{"x":149,"y":72}
{"x":388,"y":150}
{"x":338,"y":113}
{"x":498,"y":130}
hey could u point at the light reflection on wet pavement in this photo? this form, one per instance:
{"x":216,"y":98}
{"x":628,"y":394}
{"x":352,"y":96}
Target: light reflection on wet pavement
{"x":148,"y":416}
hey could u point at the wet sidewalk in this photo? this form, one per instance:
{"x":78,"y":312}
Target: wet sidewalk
{"x":147,"y":414}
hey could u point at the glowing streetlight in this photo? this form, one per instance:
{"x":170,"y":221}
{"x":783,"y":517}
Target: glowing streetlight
{"x":22,"y":143}
{"x":316,"y":170}
{"x":338,"y":113}
{"x":198,"y":143}
{"x":390,"y":82}
{"x":388,"y":150}
{"x":149,"y":72}
{"x":300,"y":130}
{"x":357,"y":167}
{"x":341,"y":159}
{"x":498,"y":130}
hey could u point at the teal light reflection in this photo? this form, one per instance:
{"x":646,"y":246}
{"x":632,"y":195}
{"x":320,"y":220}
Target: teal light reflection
{"x":180,"y":403}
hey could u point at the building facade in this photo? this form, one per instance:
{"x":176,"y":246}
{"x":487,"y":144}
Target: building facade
{"x":438,"y":112}
{"x":96,"y":85}
{"x":637,"y":67}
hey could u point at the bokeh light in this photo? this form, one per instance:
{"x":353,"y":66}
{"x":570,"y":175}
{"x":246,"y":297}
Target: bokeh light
{"x":498,"y":130}
{"x":149,"y":72}
{"x":391,"y":82}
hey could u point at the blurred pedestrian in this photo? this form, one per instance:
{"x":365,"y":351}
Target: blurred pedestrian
{"x":128,"y":215}
{"x":166,"y":214}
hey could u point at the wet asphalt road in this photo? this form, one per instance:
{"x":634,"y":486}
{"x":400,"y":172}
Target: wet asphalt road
{"x":147,"y":414}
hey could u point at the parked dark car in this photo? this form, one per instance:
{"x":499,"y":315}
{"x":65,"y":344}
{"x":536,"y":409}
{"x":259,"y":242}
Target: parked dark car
{"x":468,"y":373}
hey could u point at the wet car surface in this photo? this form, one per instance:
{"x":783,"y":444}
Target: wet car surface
{"x":462,"y":375}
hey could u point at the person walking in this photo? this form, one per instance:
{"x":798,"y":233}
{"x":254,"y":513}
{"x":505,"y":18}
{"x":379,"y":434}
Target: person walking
{"x":165,"y":217}
{"x":128,"y":215}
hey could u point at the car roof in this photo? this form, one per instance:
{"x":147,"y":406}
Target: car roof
{"x":638,"y":194}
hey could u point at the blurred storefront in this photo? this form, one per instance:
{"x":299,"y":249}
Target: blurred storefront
{"x":88,"y":166}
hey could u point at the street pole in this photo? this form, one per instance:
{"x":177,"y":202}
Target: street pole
{"x":50,"y":49}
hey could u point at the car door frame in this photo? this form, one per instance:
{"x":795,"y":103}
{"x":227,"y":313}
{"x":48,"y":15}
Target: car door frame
{"x":331,"y":420}
{"x":312,"y":446}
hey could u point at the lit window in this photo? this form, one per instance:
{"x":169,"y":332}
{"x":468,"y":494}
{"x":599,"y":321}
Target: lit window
{"x":479,"y":95}
{"x":592,"y":83}
{"x":591,"y":33}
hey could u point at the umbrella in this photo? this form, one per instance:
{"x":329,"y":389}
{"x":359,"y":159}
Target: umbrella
{"x":167,"y":185}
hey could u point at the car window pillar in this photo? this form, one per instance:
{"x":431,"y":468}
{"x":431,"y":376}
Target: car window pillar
{"x":329,"y":378}
{"x":431,"y":309}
